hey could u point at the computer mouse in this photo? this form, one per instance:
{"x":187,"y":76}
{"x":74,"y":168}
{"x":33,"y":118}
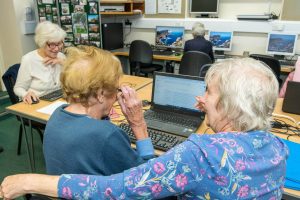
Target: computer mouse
{"x":145,"y":103}
{"x":34,"y":101}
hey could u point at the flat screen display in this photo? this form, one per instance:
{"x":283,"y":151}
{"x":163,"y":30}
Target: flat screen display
{"x":221,"y":40}
{"x":281,"y":44}
{"x":204,"y":6}
{"x":169,"y":36}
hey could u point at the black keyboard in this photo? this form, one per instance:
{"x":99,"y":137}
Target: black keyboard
{"x":162,"y":53}
{"x":287,"y":62}
{"x":52,"y":96}
{"x":171,"y":119}
{"x":160,"y":140}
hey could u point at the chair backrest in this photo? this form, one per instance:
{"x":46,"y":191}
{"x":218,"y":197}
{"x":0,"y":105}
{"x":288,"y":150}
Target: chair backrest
{"x":192,"y":61}
{"x":140,"y":51}
{"x":9,"y":79}
{"x":204,"y":69}
{"x":272,"y":62}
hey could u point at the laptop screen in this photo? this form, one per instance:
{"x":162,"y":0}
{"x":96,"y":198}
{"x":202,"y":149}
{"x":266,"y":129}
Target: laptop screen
{"x":177,"y":91}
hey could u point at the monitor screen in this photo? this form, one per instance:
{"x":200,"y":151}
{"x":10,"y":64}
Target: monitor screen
{"x":281,"y":44}
{"x":204,"y":6}
{"x":221,"y":40}
{"x":169,"y":36}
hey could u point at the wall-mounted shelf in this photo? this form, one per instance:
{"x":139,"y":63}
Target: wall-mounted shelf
{"x":131,"y":7}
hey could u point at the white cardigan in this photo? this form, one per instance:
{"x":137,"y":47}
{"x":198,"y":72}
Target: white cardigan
{"x":35,"y":76}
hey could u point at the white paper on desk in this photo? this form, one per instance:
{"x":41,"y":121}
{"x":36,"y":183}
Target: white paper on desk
{"x":51,"y":108}
{"x":150,"y":7}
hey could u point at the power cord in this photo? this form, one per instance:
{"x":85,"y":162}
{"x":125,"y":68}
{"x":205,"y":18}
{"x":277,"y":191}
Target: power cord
{"x":286,"y":117}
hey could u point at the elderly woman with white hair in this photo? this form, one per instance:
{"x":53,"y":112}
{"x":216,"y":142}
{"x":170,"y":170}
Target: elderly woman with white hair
{"x":242,"y":160}
{"x":40,"y":69}
{"x":199,"y":43}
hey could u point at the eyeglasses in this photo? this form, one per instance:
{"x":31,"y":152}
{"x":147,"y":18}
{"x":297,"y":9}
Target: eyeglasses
{"x":52,"y":45}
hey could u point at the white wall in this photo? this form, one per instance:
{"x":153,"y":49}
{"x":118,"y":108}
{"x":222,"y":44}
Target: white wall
{"x":13,"y":44}
{"x":248,"y":35}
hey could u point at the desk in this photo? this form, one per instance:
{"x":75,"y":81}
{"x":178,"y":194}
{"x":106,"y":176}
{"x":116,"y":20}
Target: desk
{"x":125,"y":52}
{"x":144,"y":92}
{"x":30,"y":112}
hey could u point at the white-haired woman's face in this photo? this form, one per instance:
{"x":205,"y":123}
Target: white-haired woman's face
{"x":214,"y":118}
{"x":51,"y":49}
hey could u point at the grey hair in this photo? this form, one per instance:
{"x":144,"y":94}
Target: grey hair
{"x":198,"y":29}
{"x":48,"y":32}
{"x":248,"y":91}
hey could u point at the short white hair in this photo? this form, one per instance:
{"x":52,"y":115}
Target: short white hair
{"x":48,"y":32}
{"x":198,"y":29}
{"x":248,"y":92}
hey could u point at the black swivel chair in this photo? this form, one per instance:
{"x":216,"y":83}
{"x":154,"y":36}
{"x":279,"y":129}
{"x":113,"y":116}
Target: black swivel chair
{"x":272,"y":62}
{"x":141,"y":57}
{"x":9,"y":79}
{"x":192,"y":62}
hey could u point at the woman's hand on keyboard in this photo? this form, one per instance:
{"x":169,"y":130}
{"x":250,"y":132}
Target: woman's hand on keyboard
{"x":131,"y":107}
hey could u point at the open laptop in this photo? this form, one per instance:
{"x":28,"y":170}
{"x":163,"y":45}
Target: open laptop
{"x":292,"y":97}
{"x":172,"y":105}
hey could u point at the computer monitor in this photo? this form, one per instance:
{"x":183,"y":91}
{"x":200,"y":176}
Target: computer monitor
{"x":281,"y":44}
{"x":204,"y":6}
{"x":169,"y":37}
{"x":221,"y":41}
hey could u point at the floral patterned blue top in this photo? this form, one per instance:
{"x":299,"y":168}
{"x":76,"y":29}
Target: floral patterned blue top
{"x":218,"y":166}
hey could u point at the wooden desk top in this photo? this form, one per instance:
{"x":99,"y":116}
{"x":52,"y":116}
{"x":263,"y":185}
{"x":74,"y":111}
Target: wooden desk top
{"x":125,"y":52}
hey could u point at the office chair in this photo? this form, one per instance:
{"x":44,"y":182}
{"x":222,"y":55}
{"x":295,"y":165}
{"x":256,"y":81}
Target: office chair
{"x":272,"y":62}
{"x":141,"y":57}
{"x":192,"y":61}
{"x":9,"y":79}
{"x":204,"y":69}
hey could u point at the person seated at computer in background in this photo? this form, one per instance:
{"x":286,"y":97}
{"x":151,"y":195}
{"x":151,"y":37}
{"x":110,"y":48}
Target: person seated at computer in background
{"x":40,"y":69}
{"x":293,"y":76}
{"x":199,"y":43}
{"x":242,"y":160}
{"x":78,"y":138}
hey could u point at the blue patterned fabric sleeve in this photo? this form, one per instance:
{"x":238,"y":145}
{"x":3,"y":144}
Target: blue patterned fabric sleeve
{"x":172,"y":173}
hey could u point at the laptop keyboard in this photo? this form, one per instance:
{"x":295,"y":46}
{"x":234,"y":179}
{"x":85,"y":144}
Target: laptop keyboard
{"x":161,"y":140}
{"x":162,"y":53}
{"x":171,"y":119}
{"x":287,"y":62}
{"x":52,"y":96}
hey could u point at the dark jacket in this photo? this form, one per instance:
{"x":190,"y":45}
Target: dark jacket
{"x":200,"y":44}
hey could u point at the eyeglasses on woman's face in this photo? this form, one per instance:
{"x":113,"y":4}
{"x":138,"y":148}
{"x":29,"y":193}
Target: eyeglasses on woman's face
{"x":53,"y":45}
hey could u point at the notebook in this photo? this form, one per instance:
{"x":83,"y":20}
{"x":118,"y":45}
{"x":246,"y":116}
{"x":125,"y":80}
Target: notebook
{"x":172,"y":105}
{"x":292,"y":97}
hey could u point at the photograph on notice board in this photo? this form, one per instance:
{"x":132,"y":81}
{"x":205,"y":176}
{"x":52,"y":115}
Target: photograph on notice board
{"x":74,"y":2}
{"x":93,"y":19}
{"x":64,"y":1}
{"x":82,"y":2}
{"x":54,"y":11}
{"x":84,"y":39}
{"x":93,"y":7}
{"x":79,"y":21}
{"x":78,"y":9}
{"x":94,"y":28}
{"x":65,"y":9}
{"x":42,"y":12}
{"x":55,"y":19}
{"x":94,"y":36}
{"x":67,"y":28}
{"x":66,"y":19}
{"x":42,"y":19}
{"x":69,"y":37}
{"x":47,"y":1}
{"x":40,"y":2}
{"x":94,"y":43}
{"x":48,"y":9}
{"x":49,"y":18}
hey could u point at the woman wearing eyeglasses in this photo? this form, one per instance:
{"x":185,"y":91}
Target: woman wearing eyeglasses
{"x":40,"y":69}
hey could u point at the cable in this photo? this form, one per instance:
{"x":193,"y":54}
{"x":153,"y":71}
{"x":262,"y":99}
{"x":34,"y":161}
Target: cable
{"x":286,"y":117}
